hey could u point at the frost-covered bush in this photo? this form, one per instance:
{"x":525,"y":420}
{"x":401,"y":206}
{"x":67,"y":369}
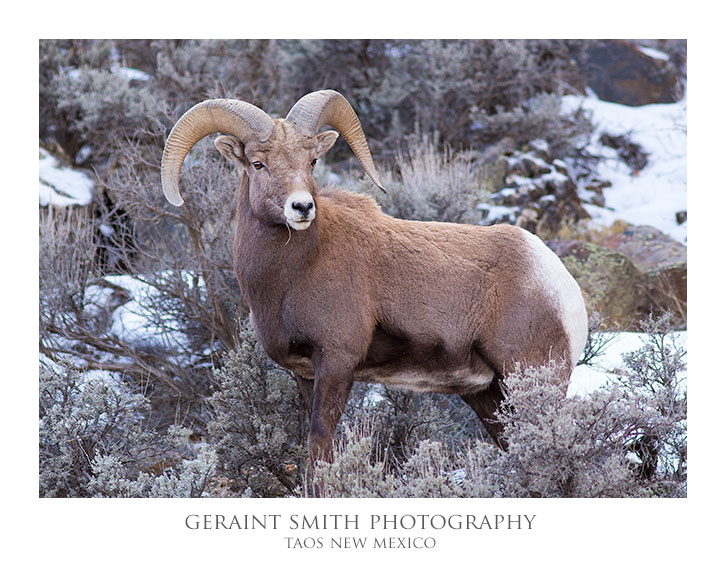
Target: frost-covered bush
{"x":359,"y":467}
{"x":55,"y":57}
{"x":247,"y":69}
{"x":66,"y":265}
{"x":432,"y":184}
{"x":190,"y":478}
{"x":569,"y":447}
{"x":655,"y":373}
{"x":258,"y":427}
{"x":105,"y":107}
{"x":82,"y":417}
{"x":558,"y":447}
{"x":95,"y":440}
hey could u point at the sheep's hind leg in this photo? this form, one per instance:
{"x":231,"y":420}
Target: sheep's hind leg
{"x":485,"y":403}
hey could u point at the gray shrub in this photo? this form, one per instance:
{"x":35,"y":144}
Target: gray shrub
{"x":95,"y":441}
{"x":258,"y":427}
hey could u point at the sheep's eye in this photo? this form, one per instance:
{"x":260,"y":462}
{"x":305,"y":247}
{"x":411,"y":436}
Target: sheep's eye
{"x":314,"y":161}
{"x":257,"y":164}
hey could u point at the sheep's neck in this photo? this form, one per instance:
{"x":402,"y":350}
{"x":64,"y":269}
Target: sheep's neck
{"x":267,"y":258}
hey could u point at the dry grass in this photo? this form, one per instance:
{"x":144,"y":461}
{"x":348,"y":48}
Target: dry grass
{"x":432,"y":184}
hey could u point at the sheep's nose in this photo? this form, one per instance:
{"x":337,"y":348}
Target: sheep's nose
{"x":303,"y":207}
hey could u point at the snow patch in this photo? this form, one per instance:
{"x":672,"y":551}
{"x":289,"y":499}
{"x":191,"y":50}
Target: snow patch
{"x":653,"y":53}
{"x":136,"y":321}
{"x":131,"y":74}
{"x":496,"y":213}
{"x":653,"y":195}
{"x":62,"y":186}
{"x":605,"y":368}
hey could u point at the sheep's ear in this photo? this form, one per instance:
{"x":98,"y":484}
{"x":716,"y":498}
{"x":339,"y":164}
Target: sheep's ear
{"x":325,"y":141}
{"x":231,"y":148}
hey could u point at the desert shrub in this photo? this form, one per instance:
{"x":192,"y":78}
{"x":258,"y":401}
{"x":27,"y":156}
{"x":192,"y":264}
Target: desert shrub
{"x":80,"y":419}
{"x":399,"y":419}
{"x":431,"y":469}
{"x":95,"y":440}
{"x":190,"y":71}
{"x":631,"y":440}
{"x":78,"y":318}
{"x":95,"y":108}
{"x":359,"y":468}
{"x":432,"y":184}
{"x":655,"y":372}
{"x":54,"y":58}
{"x":192,"y":243}
{"x":539,"y":117}
{"x":66,"y":265}
{"x":106,"y":108}
{"x":568,"y":447}
{"x":191,"y":476}
{"x":89,"y":102}
{"x":461,"y":85}
{"x":558,"y":447}
{"x":258,"y":424}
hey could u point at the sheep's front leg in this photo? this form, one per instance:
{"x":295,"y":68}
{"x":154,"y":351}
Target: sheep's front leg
{"x":333,"y":381}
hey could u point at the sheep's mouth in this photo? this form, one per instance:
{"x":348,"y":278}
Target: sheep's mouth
{"x":299,"y":224}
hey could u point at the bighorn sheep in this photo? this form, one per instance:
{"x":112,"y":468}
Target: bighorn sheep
{"x":351,"y":293}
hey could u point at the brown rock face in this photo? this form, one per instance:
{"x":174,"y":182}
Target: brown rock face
{"x":632,"y":274}
{"x":663,"y":261}
{"x":617,"y":71}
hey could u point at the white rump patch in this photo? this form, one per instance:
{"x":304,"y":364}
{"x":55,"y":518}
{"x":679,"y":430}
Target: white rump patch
{"x":299,"y":210}
{"x":564,"y":290}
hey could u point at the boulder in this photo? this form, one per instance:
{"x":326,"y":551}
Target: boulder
{"x":618,"y":71}
{"x":662,"y":260}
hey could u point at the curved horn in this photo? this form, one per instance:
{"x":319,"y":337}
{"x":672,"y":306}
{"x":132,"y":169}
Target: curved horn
{"x":232,"y":117}
{"x":321,"y":107}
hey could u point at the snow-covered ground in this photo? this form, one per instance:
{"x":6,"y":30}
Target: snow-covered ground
{"x":651,"y":197}
{"x":62,"y":186}
{"x":136,"y":321}
{"x":604,"y":368}
{"x":654,"y":194}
